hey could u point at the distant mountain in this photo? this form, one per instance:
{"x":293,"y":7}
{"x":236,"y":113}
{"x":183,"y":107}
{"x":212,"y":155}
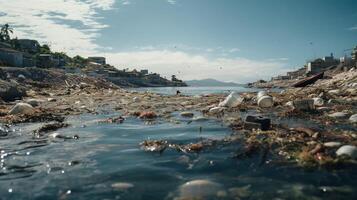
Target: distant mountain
{"x":211,"y":83}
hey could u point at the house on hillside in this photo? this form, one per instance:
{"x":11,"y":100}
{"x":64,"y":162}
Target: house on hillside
{"x":28,"y":45}
{"x":11,"y":57}
{"x":321,"y":64}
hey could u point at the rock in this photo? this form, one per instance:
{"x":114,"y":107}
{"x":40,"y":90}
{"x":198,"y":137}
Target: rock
{"x":200,"y":119}
{"x":304,"y":104}
{"x":21,"y":76}
{"x":34,"y":102}
{"x":353,"y":118}
{"x":256,"y":122}
{"x":51,"y":100}
{"x":11,"y":91}
{"x":198,"y":189}
{"x":318,"y":101}
{"x":338,"y":115}
{"x":334,"y":92}
{"x":232,"y":100}
{"x":348,"y":150}
{"x":332,"y":144}
{"x":136,"y":99}
{"x":21,"y":108}
{"x":187,"y":114}
{"x":216,"y":110}
{"x":148,"y":115}
{"x":122,"y":186}
{"x":323,"y":109}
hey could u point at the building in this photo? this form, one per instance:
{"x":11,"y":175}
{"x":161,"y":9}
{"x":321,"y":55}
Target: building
{"x":319,"y":65}
{"x":11,"y":57}
{"x":28,"y":45}
{"x":144,"y":71}
{"x":297,"y":73}
{"x":45,"y":61}
{"x":99,"y":60}
{"x":354,"y":54}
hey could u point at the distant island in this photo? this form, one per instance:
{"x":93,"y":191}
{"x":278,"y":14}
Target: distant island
{"x":212,"y":83}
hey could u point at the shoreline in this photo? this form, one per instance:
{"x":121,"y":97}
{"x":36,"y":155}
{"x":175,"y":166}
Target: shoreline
{"x":312,"y":144}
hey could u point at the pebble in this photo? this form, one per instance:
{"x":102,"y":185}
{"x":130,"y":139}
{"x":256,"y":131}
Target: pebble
{"x":198,"y":189}
{"x":216,"y":109}
{"x":334,"y":92}
{"x":187,"y":114}
{"x":22,"y":108}
{"x":332,"y":144}
{"x":51,"y":99}
{"x":348,"y":150}
{"x":122,"y":186}
{"x":353,"y":118}
{"x":338,"y":115}
{"x":200,"y":119}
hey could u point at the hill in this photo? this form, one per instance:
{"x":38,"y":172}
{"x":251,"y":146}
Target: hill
{"x":211,"y":83}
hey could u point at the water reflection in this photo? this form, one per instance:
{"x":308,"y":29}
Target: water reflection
{"x":106,"y":162}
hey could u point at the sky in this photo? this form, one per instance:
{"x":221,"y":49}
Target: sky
{"x":229,"y":40}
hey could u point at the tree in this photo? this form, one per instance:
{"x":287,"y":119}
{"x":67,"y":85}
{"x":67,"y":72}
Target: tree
{"x":5,"y":33}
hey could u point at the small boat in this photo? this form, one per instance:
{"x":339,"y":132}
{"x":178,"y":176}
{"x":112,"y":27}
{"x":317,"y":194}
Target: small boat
{"x":309,"y":80}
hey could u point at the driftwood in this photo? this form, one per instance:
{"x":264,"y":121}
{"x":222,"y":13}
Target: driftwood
{"x":309,"y":80}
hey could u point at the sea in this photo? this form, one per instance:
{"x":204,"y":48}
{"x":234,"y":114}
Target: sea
{"x":107,"y":162}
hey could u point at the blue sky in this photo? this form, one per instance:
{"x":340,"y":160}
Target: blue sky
{"x":232,"y":40}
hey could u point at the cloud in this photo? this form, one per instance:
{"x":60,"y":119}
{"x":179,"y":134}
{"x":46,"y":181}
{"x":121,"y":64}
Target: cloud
{"x":67,"y":25}
{"x":353,"y":28}
{"x":73,"y":26}
{"x":125,"y":2}
{"x":195,"y":66}
{"x":234,"y":50}
{"x":173,"y":2}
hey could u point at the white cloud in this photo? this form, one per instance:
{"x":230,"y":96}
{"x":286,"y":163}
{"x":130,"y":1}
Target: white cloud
{"x":234,"y":50}
{"x":126,"y":2}
{"x":189,"y":66}
{"x":353,"y":28}
{"x":53,"y":22}
{"x":173,"y":2}
{"x":73,"y":26}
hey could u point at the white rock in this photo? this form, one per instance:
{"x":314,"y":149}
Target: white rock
{"x":318,"y":101}
{"x":338,"y":115}
{"x":353,"y":118}
{"x":136,"y":99}
{"x":187,"y":114}
{"x":122,"y":186}
{"x":332,"y":144}
{"x":51,"y":99}
{"x":200,"y":119}
{"x":216,"y":109}
{"x":334,"y":92}
{"x":198,"y":189}
{"x":22,"y":108}
{"x":348,"y":150}
{"x":232,"y":100}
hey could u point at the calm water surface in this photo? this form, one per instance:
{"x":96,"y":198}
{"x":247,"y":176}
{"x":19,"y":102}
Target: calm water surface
{"x":106,"y":154}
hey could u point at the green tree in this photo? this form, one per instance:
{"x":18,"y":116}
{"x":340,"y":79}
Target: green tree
{"x":5,"y":33}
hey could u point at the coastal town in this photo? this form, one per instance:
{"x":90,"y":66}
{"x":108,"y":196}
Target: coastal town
{"x":327,"y":64}
{"x":28,"y":53}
